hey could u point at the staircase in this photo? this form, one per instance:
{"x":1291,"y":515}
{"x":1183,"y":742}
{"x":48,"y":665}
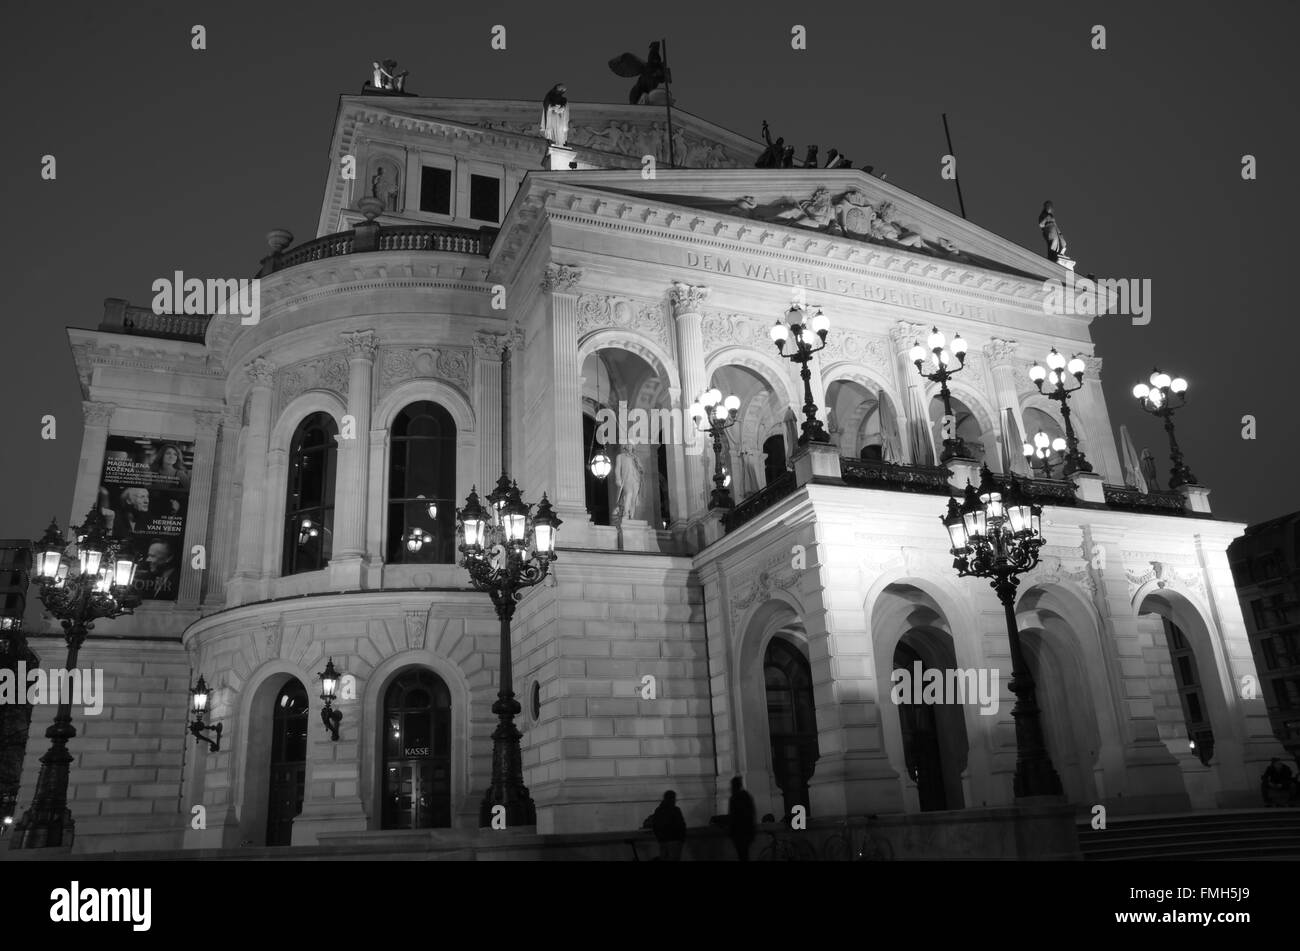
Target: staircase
{"x":1229,"y":834}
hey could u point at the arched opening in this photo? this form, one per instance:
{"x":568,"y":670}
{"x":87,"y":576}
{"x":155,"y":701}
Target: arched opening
{"x":422,"y":485}
{"x":863,"y":422}
{"x":756,"y":448}
{"x":1065,"y":708}
{"x":309,"y":509}
{"x":631,"y":410}
{"x":1196,"y":715}
{"x":1036,"y":421}
{"x":288,"y":769}
{"x":791,"y":720}
{"x":773,"y":458}
{"x":965,"y":426}
{"x":416,"y":766}
{"x":920,"y":729}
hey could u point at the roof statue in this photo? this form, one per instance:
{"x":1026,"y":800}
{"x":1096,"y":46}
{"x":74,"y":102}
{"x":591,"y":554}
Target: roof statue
{"x":555,"y":115}
{"x":649,"y":74}
{"x":1051,"y":232}
{"x":384,"y":77}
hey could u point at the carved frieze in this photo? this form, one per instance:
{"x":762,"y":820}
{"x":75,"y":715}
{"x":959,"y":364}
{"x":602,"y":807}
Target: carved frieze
{"x":329,"y":372}
{"x":1165,"y":574}
{"x":755,"y":585}
{"x":729,"y":330}
{"x":449,"y":364}
{"x":596,"y":312}
{"x":856,"y":348}
{"x":261,"y":372}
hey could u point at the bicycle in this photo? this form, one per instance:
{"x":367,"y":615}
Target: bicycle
{"x":793,"y":849}
{"x":841,"y":846}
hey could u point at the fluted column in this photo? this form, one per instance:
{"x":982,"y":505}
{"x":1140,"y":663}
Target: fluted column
{"x":570,"y":487}
{"x":913,"y":415}
{"x":488,"y":408}
{"x":350,"y":490}
{"x":94,"y":440}
{"x":248,"y":563}
{"x":1006,"y":363}
{"x":223,"y":515}
{"x":206,"y":423}
{"x":688,"y":301}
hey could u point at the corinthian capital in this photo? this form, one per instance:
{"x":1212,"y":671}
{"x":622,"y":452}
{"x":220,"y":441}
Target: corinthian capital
{"x":560,"y":277}
{"x":207,"y":421}
{"x":1002,"y":353}
{"x":361,"y":344}
{"x":687,"y":298}
{"x":260,"y":372}
{"x":905,"y":333}
{"x":1091,"y":365}
{"x":97,"y":414}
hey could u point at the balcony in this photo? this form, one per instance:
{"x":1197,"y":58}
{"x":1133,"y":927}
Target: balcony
{"x":893,"y":476}
{"x":123,"y":318}
{"x":365,"y":238}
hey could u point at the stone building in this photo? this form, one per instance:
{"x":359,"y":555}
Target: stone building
{"x":366,"y":399}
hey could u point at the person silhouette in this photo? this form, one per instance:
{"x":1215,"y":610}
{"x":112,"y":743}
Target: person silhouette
{"x":669,"y":827}
{"x":742,"y":814}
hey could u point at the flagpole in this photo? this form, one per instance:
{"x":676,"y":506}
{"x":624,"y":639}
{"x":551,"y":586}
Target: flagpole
{"x":668,"y":93}
{"x":956,"y":179}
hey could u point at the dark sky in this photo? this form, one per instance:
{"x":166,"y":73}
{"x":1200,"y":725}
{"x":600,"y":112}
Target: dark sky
{"x":172,"y":159}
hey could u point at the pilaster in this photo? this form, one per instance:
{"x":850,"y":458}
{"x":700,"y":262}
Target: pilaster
{"x":687,"y":301}
{"x":349,"y":548}
{"x":90,"y":469}
{"x":248,"y":562}
{"x":206,"y":424}
{"x":570,"y":489}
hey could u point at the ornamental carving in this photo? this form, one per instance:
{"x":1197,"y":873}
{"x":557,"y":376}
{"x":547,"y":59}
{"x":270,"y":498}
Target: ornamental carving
{"x":361,"y":344}
{"x":488,"y":346}
{"x":448,"y":364}
{"x":850,"y":214}
{"x":596,"y":312}
{"x":323,"y":373}
{"x":560,"y":277}
{"x":272,"y":635}
{"x":905,"y":333}
{"x":1051,"y":568}
{"x":622,"y":138}
{"x":1164,"y":574}
{"x":856,"y":348}
{"x":97,"y":414}
{"x":207,"y":421}
{"x":729,"y":330}
{"x":1002,"y":352}
{"x":757,"y":585}
{"x":1091,"y":365}
{"x":416,"y":628}
{"x":261,"y":372}
{"x":687,"y":298}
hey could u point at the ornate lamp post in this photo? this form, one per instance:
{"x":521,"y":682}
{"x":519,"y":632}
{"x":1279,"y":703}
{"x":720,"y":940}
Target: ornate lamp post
{"x":200,"y":703}
{"x":954,"y":447}
{"x":1042,"y":448}
{"x":812,"y":429}
{"x":80,"y":584}
{"x":715,"y":415}
{"x":996,"y":535}
{"x":1054,"y":374}
{"x":507,"y":549}
{"x":329,"y":689}
{"x":1161,"y":398}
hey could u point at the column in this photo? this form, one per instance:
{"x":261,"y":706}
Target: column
{"x":1100,"y":442}
{"x":206,"y":423}
{"x":570,"y":498}
{"x":488,"y":407}
{"x":223,"y":515}
{"x":90,"y":469}
{"x":1005,"y":362}
{"x":688,"y":301}
{"x":913,"y":414}
{"x":248,"y":561}
{"x":350,"y":491}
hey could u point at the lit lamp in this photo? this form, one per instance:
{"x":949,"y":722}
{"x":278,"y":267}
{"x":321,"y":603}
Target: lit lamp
{"x":945,"y":368}
{"x":802,"y":329}
{"x":714,"y":415}
{"x":1054,"y":376}
{"x":1042,"y":448}
{"x":1161,"y":398}
{"x":600,"y":464}
{"x":996,"y":533}
{"x":200,"y":697}
{"x":329,"y":686}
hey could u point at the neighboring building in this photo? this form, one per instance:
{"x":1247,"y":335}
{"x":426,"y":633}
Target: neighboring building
{"x":15,"y":718}
{"x":303,"y":451}
{"x":1266,"y":564}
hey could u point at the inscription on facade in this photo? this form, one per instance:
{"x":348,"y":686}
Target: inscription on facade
{"x":848,"y":287}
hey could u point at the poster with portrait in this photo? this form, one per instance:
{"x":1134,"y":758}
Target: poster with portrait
{"x":144,"y":494}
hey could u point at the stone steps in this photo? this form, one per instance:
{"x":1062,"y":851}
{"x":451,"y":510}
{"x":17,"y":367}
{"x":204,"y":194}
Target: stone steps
{"x":1221,"y":836}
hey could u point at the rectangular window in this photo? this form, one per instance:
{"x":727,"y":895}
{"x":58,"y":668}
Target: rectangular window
{"x":1257,"y":609}
{"x":1270,"y":654}
{"x":435,"y":190}
{"x":485,"y":198}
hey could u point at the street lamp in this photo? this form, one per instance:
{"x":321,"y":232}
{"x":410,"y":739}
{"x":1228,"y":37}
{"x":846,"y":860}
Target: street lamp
{"x":200,"y":703}
{"x":1042,"y":448}
{"x":996,"y":535}
{"x":812,"y":429}
{"x":1054,"y":373}
{"x":507,"y":549}
{"x":1161,"y":398}
{"x":715,"y":415}
{"x":80,"y":583}
{"x":954,"y":447}
{"x":329,"y":688}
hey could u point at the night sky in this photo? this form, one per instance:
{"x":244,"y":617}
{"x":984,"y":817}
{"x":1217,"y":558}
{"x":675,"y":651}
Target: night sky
{"x":174,"y":159}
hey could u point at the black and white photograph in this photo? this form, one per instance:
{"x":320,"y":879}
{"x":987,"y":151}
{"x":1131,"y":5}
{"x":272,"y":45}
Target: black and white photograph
{"x":599,"y":433}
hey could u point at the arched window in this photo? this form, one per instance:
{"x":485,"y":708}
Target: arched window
{"x":1190,"y":691}
{"x":288,"y":762}
{"x":417,"y":752}
{"x":597,"y":489}
{"x":774,"y":467}
{"x":309,"y":511}
{"x":791,"y":720}
{"x":422,"y":486}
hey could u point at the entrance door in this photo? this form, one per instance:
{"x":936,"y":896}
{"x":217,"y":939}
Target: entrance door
{"x":791,"y":721}
{"x":417,"y":752}
{"x":288,"y":762}
{"x":921,"y":750}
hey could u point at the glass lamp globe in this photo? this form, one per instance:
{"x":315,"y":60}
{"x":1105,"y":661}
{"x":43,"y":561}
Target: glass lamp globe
{"x":1162,"y":380}
{"x":1141,"y":390}
{"x":1076,"y":366}
{"x":732,"y":403}
{"x":918,"y":353}
{"x":1055,"y":360}
{"x":600,"y":464}
{"x":780,"y":333}
{"x":936,"y":341}
{"x":820,"y":323}
{"x":1037,"y":373}
{"x":959,"y":346}
{"x":1178,"y":385}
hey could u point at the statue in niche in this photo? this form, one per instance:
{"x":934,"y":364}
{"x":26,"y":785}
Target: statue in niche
{"x":627,"y":479}
{"x":771,"y":156}
{"x":1051,"y":232}
{"x":649,"y":74}
{"x":555,"y":115}
{"x":385,"y":189}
